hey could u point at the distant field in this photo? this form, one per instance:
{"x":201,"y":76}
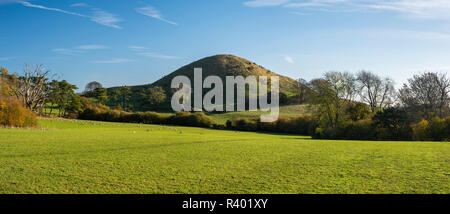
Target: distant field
{"x":285,"y":111}
{"x":70,"y":156}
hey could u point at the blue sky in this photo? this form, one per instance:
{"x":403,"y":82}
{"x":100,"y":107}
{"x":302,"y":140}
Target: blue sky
{"x":129,"y":42}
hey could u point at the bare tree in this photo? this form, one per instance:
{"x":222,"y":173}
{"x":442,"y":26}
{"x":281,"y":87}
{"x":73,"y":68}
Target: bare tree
{"x":427,"y":93}
{"x":31,"y":88}
{"x":375,"y":91}
{"x":331,"y":94}
{"x":343,"y":84}
{"x":303,"y":87}
{"x":444,"y":98}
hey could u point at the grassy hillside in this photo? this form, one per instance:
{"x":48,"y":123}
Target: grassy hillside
{"x":218,"y":65}
{"x":227,"y":65}
{"x":70,"y":156}
{"x":285,"y":111}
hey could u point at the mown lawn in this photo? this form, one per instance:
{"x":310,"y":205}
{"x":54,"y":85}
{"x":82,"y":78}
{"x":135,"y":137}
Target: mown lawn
{"x":71,"y":156}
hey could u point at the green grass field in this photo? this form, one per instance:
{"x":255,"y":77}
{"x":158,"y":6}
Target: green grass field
{"x":285,"y":111}
{"x":69,"y":156}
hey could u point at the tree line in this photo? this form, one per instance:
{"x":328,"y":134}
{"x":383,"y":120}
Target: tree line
{"x":344,"y":105}
{"x":365,"y":106}
{"x":38,"y":90}
{"x":120,"y":97}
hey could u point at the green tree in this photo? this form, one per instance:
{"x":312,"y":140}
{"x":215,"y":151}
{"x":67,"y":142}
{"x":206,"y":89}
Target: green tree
{"x":54,"y":95}
{"x":62,"y":94}
{"x":156,"y":96}
{"x":392,"y":124}
{"x":75,"y":106}
{"x":125,"y":95}
{"x":331,"y":94}
{"x":101,"y":95}
{"x":357,"y":111}
{"x":114,"y":96}
{"x":5,"y":89}
{"x":90,"y":87}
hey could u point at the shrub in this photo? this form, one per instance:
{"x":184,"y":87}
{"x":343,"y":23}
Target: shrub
{"x":392,"y":124}
{"x":92,"y":111}
{"x":13,"y":113}
{"x":358,"y":130}
{"x":439,"y":129}
{"x":229,"y":124}
{"x":420,"y":131}
{"x":357,"y":111}
{"x":245,"y":125}
{"x":198,"y":119}
{"x":304,"y":125}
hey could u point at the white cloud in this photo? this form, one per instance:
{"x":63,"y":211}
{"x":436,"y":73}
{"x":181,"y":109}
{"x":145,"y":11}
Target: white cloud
{"x":289,"y":59}
{"x":265,"y":3}
{"x":423,"y":9}
{"x":104,"y":18}
{"x":66,"y":51}
{"x":28,"y":4}
{"x":144,"y":51}
{"x":91,"y":47}
{"x":78,"y":50}
{"x":153,"y":13}
{"x":6,"y":58}
{"x":156,"y":55}
{"x":81,"y":4}
{"x":317,"y":3}
{"x":113,"y":61}
{"x":137,"y":48}
{"x":405,"y":34}
{"x":99,"y":16}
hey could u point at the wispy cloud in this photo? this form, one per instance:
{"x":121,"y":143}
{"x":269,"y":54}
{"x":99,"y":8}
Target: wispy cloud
{"x":97,"y":15}
{"x":91,"y":47}
{"x":113,"y":61}
{"x":144,"y":51}
{"x":81,"y":4}
{"x":153,"y":13}
{"x":66,"y":51}
{"x":105,"y":18}
{"x":138,"y":48}
{"x":6,"y":58}
{"x":28,"y":4}
{"x":423,"y":9}
{"x":265,"y":3}
{"x":289,"y":59}
{"x":78,"y":50}
{"x":156,"y":55}
{"x":405,"y":34}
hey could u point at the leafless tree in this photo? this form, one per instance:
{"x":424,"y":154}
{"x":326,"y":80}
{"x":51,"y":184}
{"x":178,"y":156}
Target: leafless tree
{"x":331,"y":94}
{"x":427,"y":93}
{"x":375,"y":91}
{"x":31,"y":88}
{"x":444,"y":98}
{"x":343,"y":84}
{"x":303,"y":87}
